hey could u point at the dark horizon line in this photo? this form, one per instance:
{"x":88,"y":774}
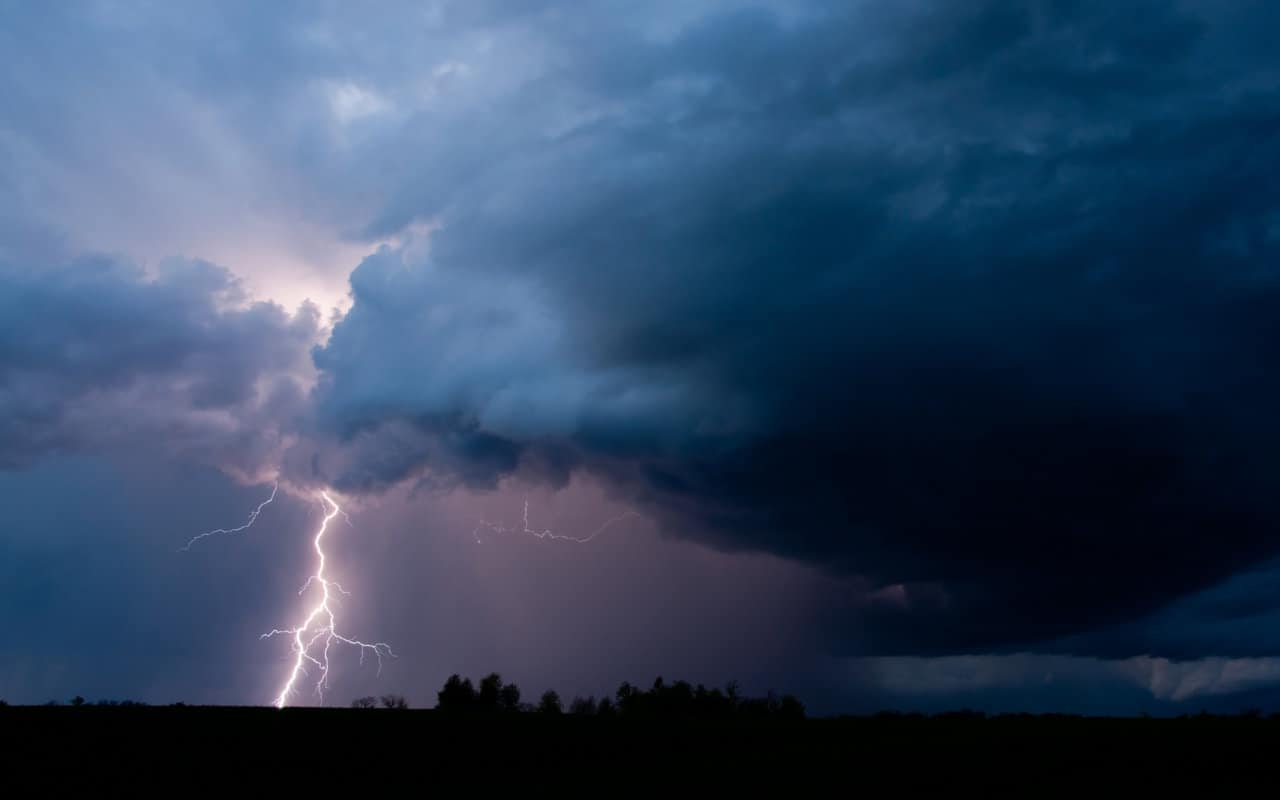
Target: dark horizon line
{"x":882,"y":715}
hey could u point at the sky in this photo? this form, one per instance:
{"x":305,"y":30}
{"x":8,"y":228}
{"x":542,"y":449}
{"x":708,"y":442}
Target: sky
{"x":920,"y":352}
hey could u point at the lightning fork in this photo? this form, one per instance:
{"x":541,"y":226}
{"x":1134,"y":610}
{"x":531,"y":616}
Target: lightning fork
{"x":312,"y":640}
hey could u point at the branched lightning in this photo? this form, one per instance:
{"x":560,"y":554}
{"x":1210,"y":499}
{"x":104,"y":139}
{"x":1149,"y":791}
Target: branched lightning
{"x":253,"y":516}
{"x":313,"y":639}
{"x":546,"y":533}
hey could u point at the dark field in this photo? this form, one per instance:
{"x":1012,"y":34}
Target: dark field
{"x":187,"y":750}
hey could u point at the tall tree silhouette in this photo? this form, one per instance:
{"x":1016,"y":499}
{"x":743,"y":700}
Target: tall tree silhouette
{"x":457,"y":695}
{"x":490,"y":692}
{"x":550,"y":702}
{"x":509,"y":697}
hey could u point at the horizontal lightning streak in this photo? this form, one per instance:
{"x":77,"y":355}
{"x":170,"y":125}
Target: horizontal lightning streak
{"x":253,"y":516}
{"x":547,"y":533}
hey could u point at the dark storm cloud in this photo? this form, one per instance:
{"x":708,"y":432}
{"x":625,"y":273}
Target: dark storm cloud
{"x":976,"y":301}
{"x":95,"y":354}
{"x":1238,"y":615}
{"x":971,"y":306}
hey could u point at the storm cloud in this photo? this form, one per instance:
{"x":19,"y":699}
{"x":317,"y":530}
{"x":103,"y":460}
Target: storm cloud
{"x":96,"y":355}
{"x":973,"y":300}
{"x":948,"y":329}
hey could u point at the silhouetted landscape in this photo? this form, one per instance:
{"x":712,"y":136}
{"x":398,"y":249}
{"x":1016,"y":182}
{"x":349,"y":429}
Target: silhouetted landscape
{"x":485,"y":733}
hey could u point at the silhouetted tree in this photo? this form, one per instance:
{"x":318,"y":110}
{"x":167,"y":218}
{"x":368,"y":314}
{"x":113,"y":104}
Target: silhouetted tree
{"x":550,"y":702}
{"x":77,"y":701}
{"x":394,"y":701}
{"x":457,"y":695}
{"x":490,"y":692}
{"x":627,"y":697}
{"x":732,"y":693}
{"x":678,"y":700}
{"x":711,"y":702}
{"x":583,"y":705}
{"x":682,"y":700}
{"x":368,"y":701}
{"x":509,"y":697}
{"x":790,"y":707}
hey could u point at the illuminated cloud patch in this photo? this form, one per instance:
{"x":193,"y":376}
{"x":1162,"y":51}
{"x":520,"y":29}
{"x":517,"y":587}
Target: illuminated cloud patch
{"x":97,"y":355}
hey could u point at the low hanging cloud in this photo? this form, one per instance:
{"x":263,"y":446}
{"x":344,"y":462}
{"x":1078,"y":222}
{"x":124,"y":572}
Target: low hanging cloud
{"x":974,"y":675}
{"x":973,"y":300}
{"x":97,"y":355}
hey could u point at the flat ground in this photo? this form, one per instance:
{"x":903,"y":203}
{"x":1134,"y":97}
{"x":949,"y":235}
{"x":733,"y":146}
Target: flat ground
{"x":192,"y":750}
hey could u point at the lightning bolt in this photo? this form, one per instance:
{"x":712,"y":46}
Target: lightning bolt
{"x":313,"y":639}
{"x":253,"y":516}
{"x":547,"y":533}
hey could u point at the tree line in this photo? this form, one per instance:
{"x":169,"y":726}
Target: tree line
{"x":680,"y":699}
{"x":494,"y":696}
